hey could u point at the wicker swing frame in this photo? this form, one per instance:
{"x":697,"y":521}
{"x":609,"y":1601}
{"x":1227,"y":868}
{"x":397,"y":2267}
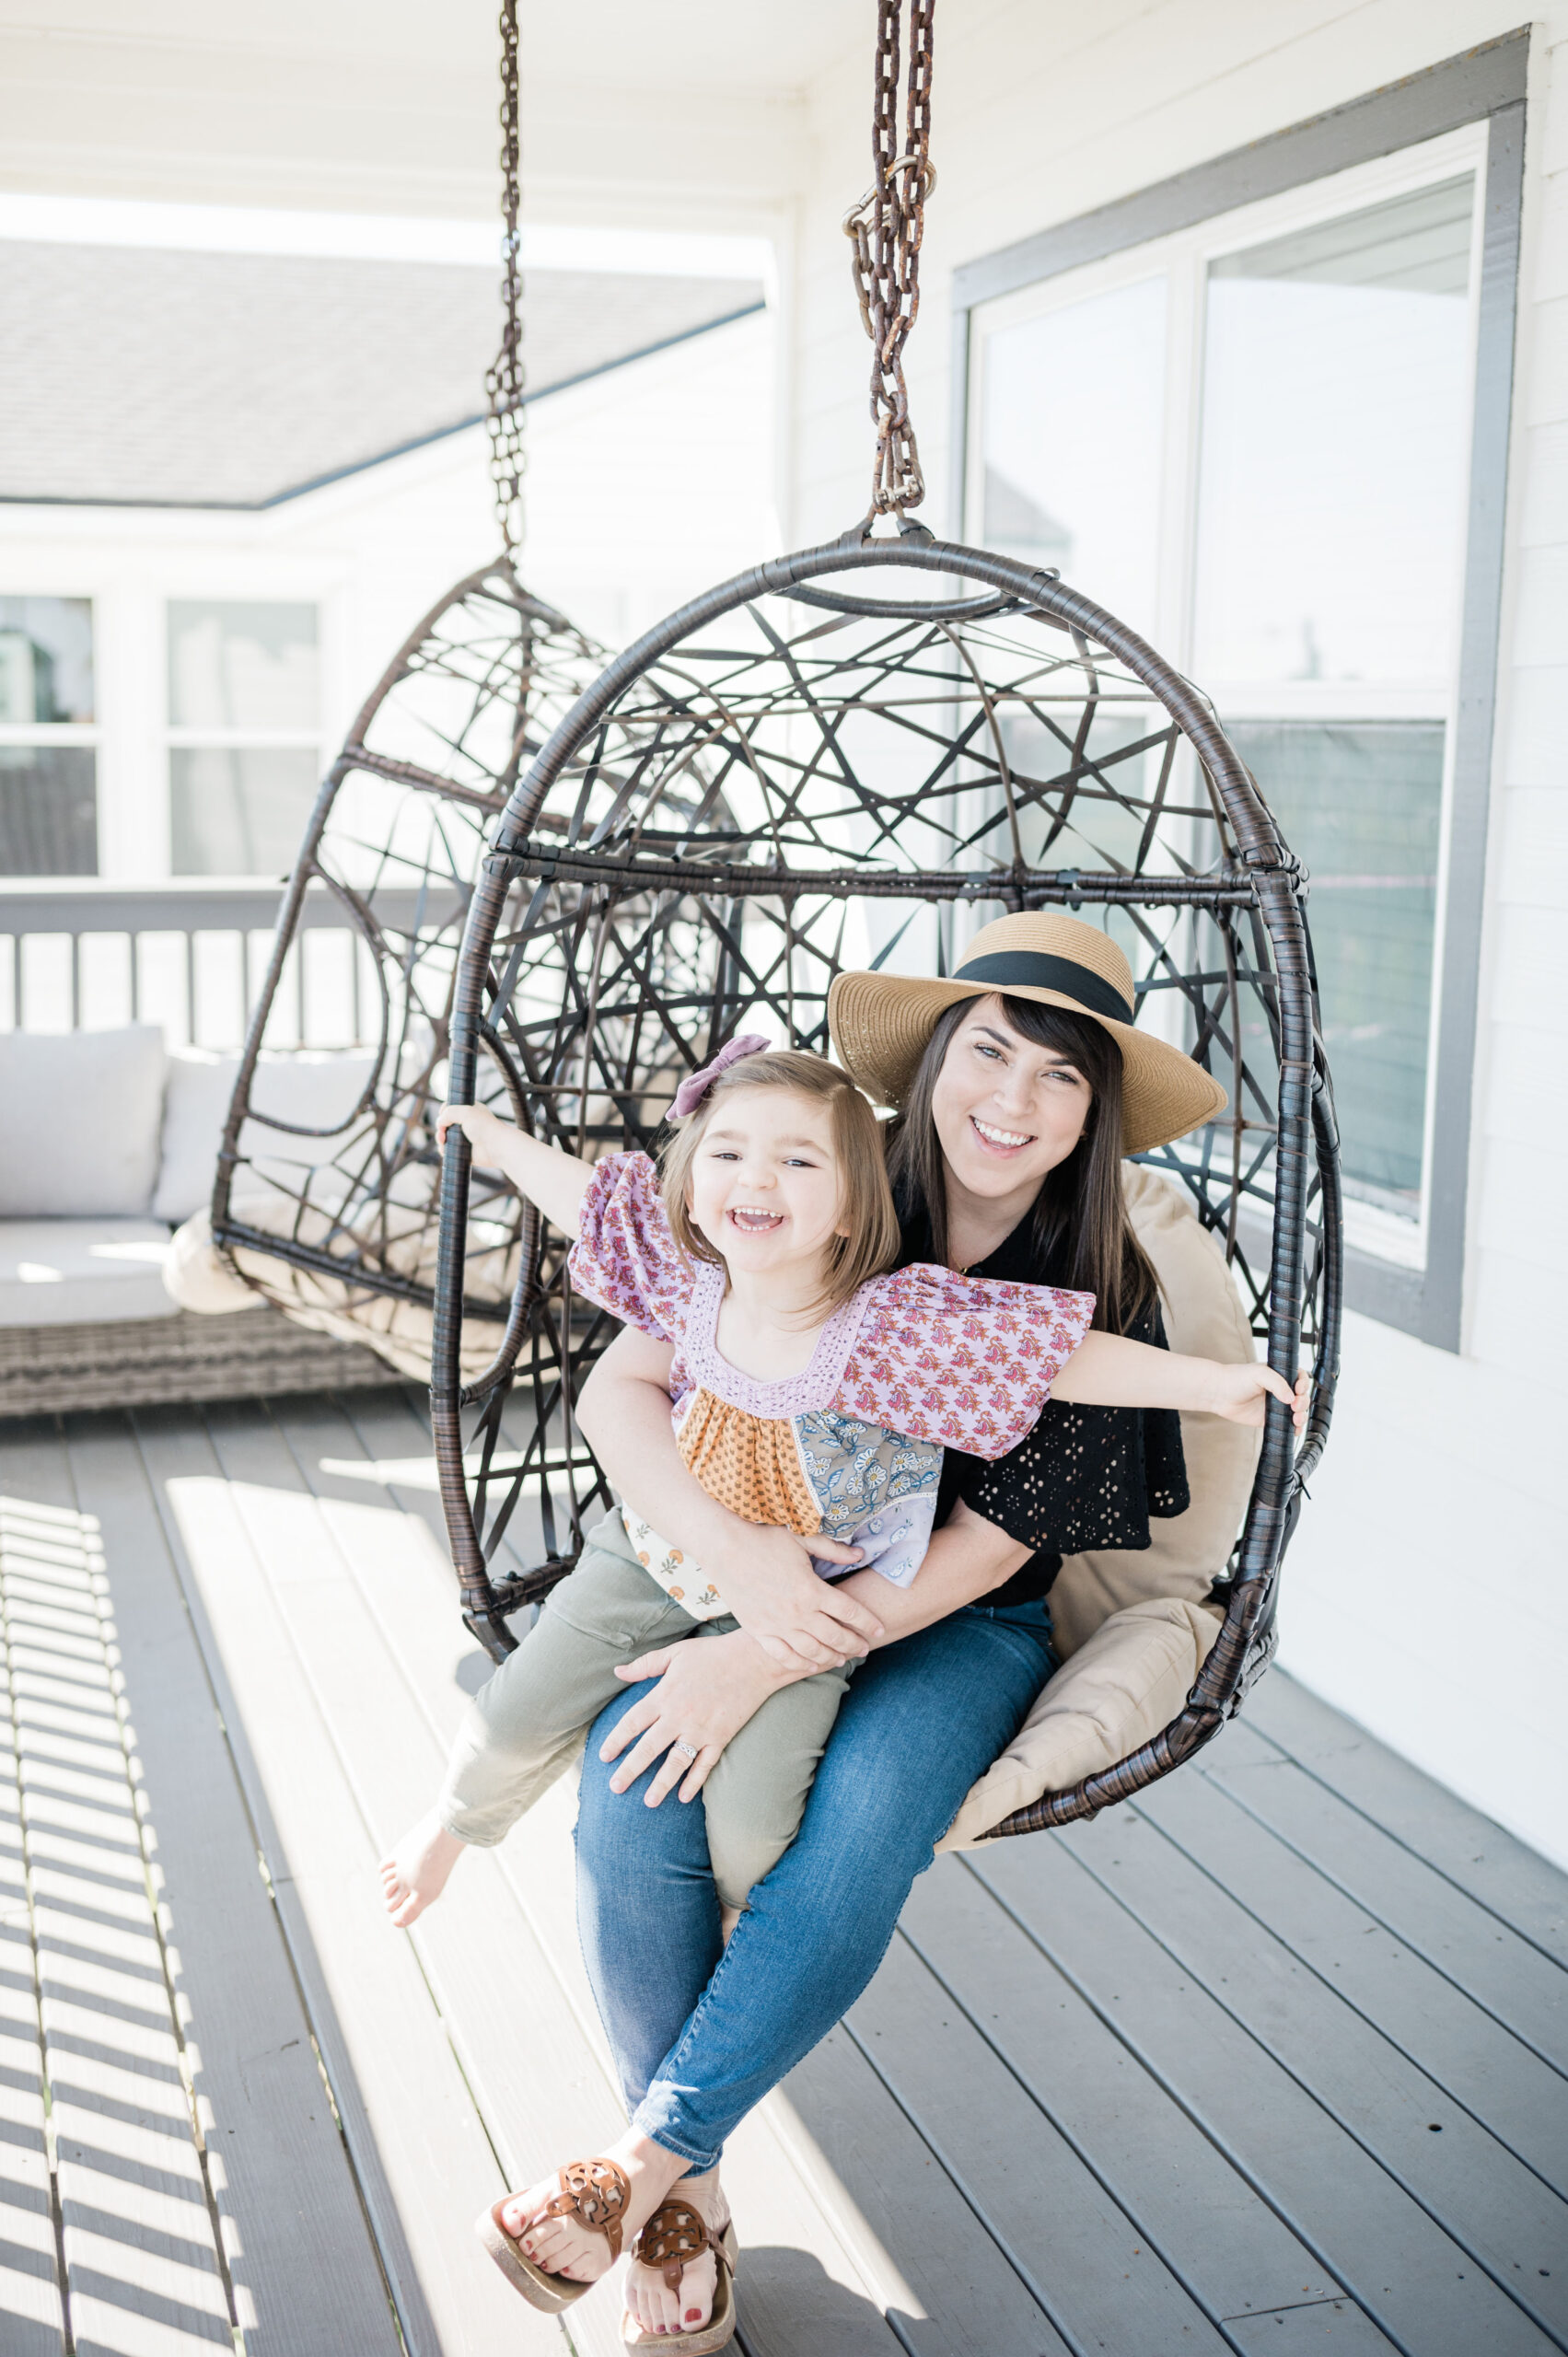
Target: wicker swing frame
{"x":395,"y":840}
{"x":727,"y":809}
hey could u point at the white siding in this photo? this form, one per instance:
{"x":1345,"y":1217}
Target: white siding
{"x":1427,"y":1591}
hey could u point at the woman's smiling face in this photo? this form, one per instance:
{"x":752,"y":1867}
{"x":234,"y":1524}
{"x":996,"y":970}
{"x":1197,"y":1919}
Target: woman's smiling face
{"x":1006,"y":1110}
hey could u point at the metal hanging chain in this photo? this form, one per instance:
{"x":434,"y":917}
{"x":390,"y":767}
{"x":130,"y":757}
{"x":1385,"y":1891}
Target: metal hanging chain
{"x":884,"y":230}
{"x":503,"y":383}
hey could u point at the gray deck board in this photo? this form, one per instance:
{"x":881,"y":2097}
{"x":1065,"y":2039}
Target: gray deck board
{"x":1498,"y":2214}
{"x":133,"y":2184}
{"x":30,"y":2304}
{"x":1087,"y":2263}
{"x":1235,"y":2256}
{"x":1163,"y":2082}
{"x":1476,"y":1854}
{"x":1494,"y":1963}
{"x":1456,"y":2043}
{"x":286,"y":2182}
{"x":1115,"y":1933}
{"x":421,"y":2154}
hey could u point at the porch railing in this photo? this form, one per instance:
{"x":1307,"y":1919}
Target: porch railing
{"x":85,"y":954}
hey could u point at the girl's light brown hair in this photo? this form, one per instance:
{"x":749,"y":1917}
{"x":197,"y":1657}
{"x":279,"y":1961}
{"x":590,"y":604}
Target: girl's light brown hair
{"x":865,"y":1199}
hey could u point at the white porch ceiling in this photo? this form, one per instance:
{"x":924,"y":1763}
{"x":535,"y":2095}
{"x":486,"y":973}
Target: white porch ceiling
{"x":672,"y":112}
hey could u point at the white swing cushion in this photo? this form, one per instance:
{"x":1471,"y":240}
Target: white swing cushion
{"x":200,"y":1277}
{"x":1132,"y":1628}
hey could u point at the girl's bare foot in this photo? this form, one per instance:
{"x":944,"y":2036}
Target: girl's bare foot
{"x":415,"y":1873}
{"x":650,"y":2303}
{"x":564,"y":2245}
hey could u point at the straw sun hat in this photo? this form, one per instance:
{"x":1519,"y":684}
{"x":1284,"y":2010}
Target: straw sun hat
{"x":881,"y":1023}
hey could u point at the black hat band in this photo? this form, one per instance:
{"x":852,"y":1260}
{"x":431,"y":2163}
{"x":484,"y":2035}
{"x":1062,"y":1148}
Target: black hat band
{"x":1044,"y":972}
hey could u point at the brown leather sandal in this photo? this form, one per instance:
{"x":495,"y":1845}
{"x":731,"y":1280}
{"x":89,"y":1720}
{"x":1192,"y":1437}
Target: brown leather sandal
{"x":596,"y":2194}
{"x":673,"y":2238}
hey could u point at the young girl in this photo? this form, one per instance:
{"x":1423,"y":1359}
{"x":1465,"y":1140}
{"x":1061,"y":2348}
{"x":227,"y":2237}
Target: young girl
{"x":808,"y":1390}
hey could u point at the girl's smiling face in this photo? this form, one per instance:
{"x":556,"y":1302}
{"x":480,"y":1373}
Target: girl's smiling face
{"x":1006,"y":1110}
{"x":766,"y":1189}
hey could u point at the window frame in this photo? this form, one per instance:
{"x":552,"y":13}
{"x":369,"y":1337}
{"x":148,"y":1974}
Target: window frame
{"x":1482,"y":92}
{"x":88,"y":734}
{"x":181,"y":738}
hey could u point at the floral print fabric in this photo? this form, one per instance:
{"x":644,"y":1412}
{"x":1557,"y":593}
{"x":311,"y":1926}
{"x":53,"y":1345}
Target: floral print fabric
{"x":919,"y":1361}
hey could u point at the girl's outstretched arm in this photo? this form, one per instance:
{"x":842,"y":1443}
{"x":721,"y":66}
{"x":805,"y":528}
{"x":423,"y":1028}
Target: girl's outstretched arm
{"x":555,"y":1182}
{"x":1109,"y":1371}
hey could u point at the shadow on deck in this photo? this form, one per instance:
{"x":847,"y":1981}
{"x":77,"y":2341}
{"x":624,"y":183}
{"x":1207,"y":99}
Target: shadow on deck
{"x":1272,"y":2061}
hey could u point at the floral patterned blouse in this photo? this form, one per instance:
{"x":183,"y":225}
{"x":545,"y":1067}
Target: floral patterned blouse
{"x":915,"y":1362}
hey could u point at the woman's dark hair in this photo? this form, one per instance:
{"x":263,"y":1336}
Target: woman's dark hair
{"x":1080,"y":1218}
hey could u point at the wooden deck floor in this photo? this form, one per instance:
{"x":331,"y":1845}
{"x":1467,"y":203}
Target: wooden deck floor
{"x":1274,"y":2062}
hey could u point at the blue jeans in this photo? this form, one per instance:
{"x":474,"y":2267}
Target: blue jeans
{"x":701,"y":2031}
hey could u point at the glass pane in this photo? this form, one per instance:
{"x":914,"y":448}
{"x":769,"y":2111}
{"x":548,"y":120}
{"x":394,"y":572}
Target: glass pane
{"x":48,"y":810}
{"x":1361,"y":807}
{"x":1073,"y":413}
{"x":1335,"y":466}
{"x":239,"y":813}
{"x":242,"y":665}
{"x":46,"y":661}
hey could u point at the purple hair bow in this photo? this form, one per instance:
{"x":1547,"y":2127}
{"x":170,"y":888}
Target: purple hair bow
{"x":696,"y":1085}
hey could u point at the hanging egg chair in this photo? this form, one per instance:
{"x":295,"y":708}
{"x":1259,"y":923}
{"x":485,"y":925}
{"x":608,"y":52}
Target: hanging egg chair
{"x":855,"y":757}
{"x":329,"y":1209}
{"x":336,"y":1223}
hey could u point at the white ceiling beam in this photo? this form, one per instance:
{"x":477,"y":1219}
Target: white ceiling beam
{"x":98,"y":111}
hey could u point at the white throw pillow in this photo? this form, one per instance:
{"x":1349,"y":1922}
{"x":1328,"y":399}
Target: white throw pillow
{"x":316,"y":1090}
{"x":80,"y":1113}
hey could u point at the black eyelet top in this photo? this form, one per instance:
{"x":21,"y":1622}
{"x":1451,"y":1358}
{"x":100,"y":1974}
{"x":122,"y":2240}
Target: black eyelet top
{"x":1086,"y":1477}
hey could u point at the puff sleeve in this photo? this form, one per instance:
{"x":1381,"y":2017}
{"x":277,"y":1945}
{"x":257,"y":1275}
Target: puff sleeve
{"x":963,"y":1363}
{"x":625,"y":1257}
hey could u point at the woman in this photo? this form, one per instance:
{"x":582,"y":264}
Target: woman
{"x":1021,"y":1084}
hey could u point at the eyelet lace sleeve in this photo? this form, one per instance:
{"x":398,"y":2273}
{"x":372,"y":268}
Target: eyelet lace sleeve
{"x":1086,"y":1478}
{"x":625,"y":1258}
{"x":962,"y":1363}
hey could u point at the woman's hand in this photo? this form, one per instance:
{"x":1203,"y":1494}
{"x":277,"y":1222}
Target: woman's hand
{"x":1238,"y":1393}
{"x":708,"y":1687}
{"x":800,"y":1619}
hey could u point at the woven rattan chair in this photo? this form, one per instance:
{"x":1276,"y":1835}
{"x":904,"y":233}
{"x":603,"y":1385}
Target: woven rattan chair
{"x":789,"y":777}
{"x":338,"y":1227}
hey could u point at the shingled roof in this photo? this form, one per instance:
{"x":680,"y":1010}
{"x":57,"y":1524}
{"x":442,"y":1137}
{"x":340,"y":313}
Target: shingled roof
{"x":150,"y":377}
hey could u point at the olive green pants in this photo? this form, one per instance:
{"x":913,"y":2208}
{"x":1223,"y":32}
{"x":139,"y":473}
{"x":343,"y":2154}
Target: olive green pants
{"x":525,"y":1724}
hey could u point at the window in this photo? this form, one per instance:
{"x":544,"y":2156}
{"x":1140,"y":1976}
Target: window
{"x":48,"y":739}
{"x":244,"y":709}
{"x":1265,"y":439}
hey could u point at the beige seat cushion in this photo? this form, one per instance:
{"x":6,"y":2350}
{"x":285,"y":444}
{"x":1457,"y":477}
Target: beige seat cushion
{"x":200,"y":1277}
{"x":1133,"y":1629}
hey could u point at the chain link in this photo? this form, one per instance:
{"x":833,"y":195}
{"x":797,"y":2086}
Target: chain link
{"x":505,"y":382}
{"x":885,"y":230}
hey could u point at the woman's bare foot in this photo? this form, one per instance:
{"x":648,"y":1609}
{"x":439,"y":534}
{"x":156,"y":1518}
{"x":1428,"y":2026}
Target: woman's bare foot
{"x":415,"y":1875}
{"x":650,"y":2303}
{"x":564,"y":2245}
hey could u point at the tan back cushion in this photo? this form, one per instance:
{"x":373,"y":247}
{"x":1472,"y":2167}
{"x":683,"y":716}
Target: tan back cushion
{"x":1132,"y":1628}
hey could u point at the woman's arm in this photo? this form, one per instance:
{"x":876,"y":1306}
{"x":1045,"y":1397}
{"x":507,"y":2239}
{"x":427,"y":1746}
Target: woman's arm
{"x":708,"y":1692}
{"x":1109,"y":1371}
{"x":555,"y":1182}
{"x":764,"y":1575}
